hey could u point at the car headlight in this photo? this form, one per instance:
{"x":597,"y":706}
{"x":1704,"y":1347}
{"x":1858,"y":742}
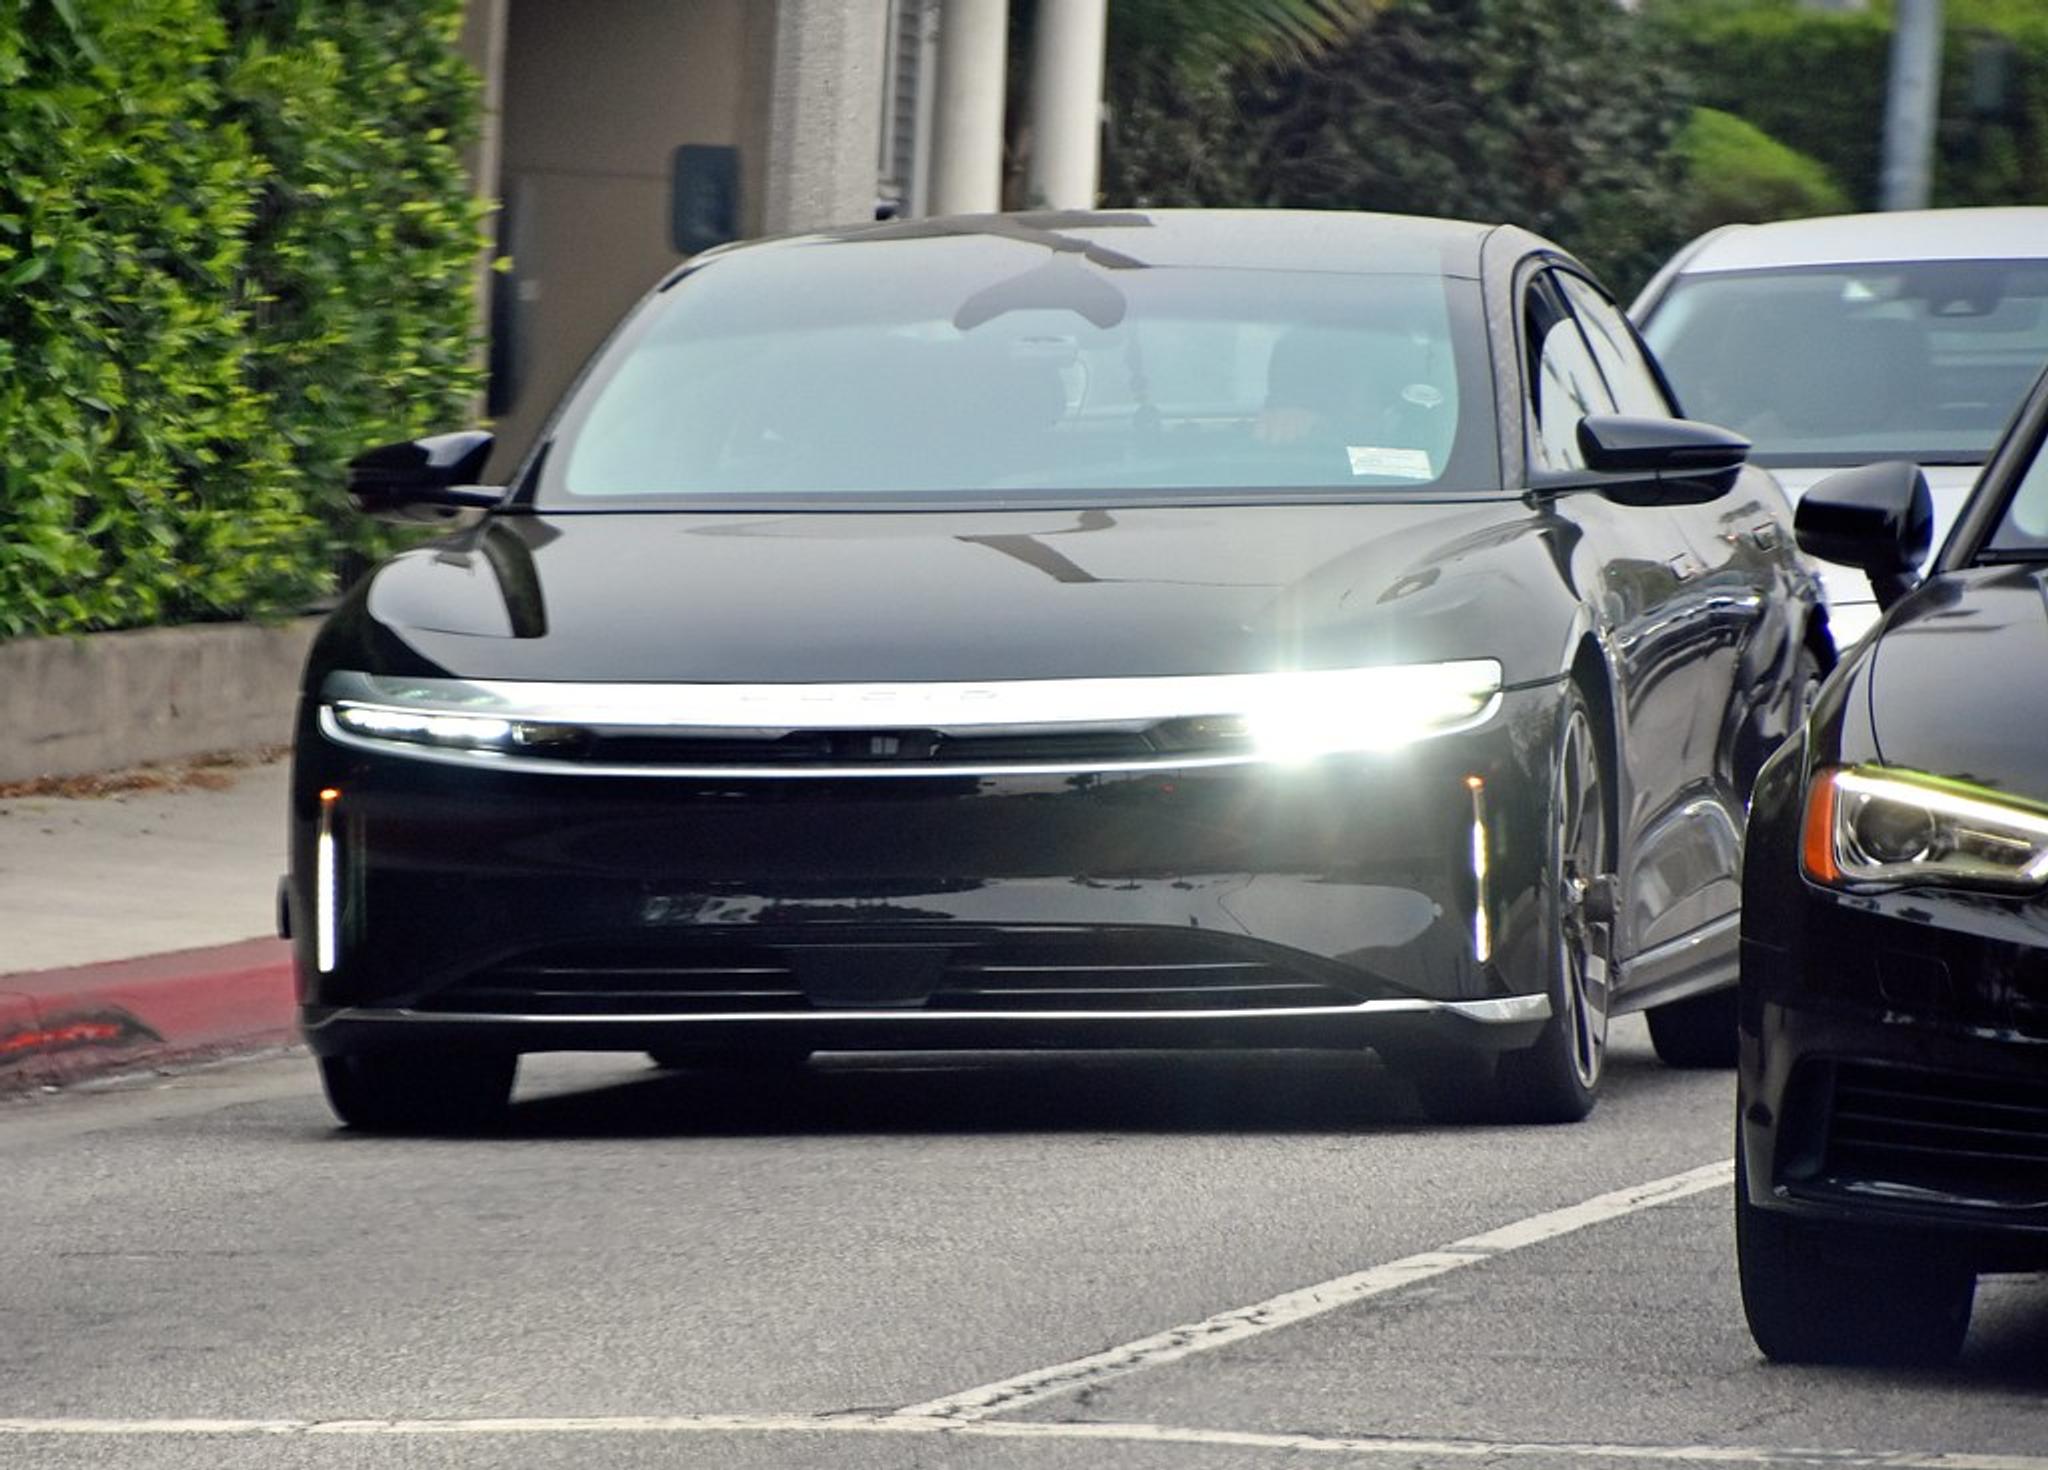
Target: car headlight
{"x":450,"y":730}
{"x":1324,"y":712}
{"x":1872,"y":824}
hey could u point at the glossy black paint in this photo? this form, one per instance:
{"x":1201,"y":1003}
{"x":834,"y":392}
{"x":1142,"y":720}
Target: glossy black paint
{"x":1622,"y":444}
{"x":438,"y":471}
{"x":1933,"y":998}
{"x":1878,"y":518}
{"x":1681,"y":621}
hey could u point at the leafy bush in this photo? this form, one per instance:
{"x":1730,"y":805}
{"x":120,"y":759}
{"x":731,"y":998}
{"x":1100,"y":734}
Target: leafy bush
{"x":235,"y":244}
{"x":1815,"y":80}
{"x":1556,"y":114}
{"x":1737,"y":173}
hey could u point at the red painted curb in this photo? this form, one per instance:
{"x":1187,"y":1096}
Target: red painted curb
{"x":58,"y":1026}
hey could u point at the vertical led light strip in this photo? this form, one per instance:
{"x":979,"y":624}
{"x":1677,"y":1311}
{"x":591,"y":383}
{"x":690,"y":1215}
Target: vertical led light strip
{"x":326,"y":888}
{"x":1482,"y":932}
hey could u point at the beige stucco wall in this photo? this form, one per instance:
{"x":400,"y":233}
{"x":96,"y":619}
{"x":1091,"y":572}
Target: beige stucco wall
{"x":597,"y":95}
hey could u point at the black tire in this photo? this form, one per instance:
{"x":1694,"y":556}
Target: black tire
{"x":1558,"y":1079}
{"x":1889,"y":1304}
{"x":419,"y":1091}
{"x":729,"y":1058}
{"x":1698,"y":1031}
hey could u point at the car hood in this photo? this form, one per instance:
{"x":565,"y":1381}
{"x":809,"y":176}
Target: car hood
{"x":810,"y":598}
{"x":1955,"y":684}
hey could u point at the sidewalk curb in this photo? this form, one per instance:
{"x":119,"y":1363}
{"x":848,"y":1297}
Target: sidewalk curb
{"x":61,"y":1026}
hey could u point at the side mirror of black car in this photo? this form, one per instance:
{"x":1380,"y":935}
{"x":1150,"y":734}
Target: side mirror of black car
{"x":424,"y":479}
{"x":1877,"y":517}
{"x":1666,"y":461}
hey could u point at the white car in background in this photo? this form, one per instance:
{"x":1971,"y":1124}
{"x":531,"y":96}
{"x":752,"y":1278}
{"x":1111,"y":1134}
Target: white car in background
{"x":1858,"y":338}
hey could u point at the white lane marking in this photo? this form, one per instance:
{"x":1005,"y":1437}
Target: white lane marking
{"x":1361,"y":1446}
{"x":1291,"y":1307}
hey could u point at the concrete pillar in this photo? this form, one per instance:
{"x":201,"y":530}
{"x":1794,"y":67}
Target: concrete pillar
{"x":824,"y":113}
{"x":483,"y":47}
{"x":1066,"y":103}
{"x":1912,"y":105}
{"x":967,"y":121}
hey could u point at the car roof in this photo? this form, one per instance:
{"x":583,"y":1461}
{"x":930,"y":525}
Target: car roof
{"x":1244,"y":239}
{"x":1858,"y":239}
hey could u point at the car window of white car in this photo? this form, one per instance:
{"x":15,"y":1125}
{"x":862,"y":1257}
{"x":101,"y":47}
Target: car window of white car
{"x":1629,"y":377}
{"x":1564,"y":383}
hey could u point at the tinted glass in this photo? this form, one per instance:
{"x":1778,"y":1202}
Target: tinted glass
{"x":1921,"y":361}
{"x":997,"y":369}
{"x":1629,"y":378}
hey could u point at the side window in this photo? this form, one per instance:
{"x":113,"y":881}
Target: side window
{"x":1629,"y":378}
{"x":1564,"y":385}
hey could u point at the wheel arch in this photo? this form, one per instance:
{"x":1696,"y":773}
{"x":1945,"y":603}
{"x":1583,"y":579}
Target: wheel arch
{"x":1595,"y":681}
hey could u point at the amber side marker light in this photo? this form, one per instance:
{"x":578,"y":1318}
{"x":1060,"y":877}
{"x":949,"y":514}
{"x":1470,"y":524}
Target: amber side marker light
{"x":1817,"y":834}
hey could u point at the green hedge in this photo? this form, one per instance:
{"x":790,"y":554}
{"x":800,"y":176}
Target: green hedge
{"x":1737,"y":173}
{"x":1561,"y":115}
{"x":1815,"y":80}
{"x":236,"y":245}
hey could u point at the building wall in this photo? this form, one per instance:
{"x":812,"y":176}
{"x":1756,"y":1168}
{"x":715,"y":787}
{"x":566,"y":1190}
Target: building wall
{"x":595,"y":98}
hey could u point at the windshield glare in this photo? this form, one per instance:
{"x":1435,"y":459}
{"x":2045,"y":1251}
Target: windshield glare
{"x":1007,"y":370}
{"x":2024,"y":531}
{"x":1852,"y":364}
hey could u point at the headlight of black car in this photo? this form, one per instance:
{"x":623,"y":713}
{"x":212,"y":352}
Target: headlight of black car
{"x":1878,"y":825}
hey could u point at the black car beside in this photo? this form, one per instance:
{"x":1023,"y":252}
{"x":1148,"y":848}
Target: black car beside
{"x":1893,"y":1123}
{"x":1061,"y":630}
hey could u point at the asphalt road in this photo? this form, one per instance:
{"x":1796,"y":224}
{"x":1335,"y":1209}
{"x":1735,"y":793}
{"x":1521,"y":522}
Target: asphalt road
{"x":829,"y":1269}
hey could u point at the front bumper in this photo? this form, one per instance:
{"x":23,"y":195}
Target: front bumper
{"x":1355,"y":900}
{"x":1894,"y":1069}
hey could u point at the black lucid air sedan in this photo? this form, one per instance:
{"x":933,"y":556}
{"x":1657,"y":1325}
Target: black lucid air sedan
{"x":1126,"y":630}
{"x":1893,"y":1133}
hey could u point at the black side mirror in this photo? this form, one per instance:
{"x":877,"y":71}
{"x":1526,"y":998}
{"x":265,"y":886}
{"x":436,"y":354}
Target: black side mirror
{"x":1669,"y":461}
{"x":1877,"y":517}
{"x":424,"y":479}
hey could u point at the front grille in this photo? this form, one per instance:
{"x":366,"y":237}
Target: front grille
{"x":623,"y":980}
{"x":1145,"y":972}
{"x":1975,"y":1137}
{"x":1051,"y":970}
{"x":1075,"y":746}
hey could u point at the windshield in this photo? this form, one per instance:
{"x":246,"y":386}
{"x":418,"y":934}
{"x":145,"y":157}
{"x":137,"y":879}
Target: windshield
{"x":1847,"y":365}
{"x":985,"y":368}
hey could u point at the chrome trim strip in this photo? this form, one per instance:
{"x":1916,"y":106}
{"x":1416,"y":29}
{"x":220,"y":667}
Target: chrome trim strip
{"x":1503,"y":1011}
{"x":1691,"y":963}
{"x":491,"y":760}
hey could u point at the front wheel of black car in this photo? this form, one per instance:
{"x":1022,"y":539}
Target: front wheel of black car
{"x":1558,"y":1079}
{"x":1698,"y":1031}
{"x":416,"y":1091}
{"x":1887,"y":1304}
